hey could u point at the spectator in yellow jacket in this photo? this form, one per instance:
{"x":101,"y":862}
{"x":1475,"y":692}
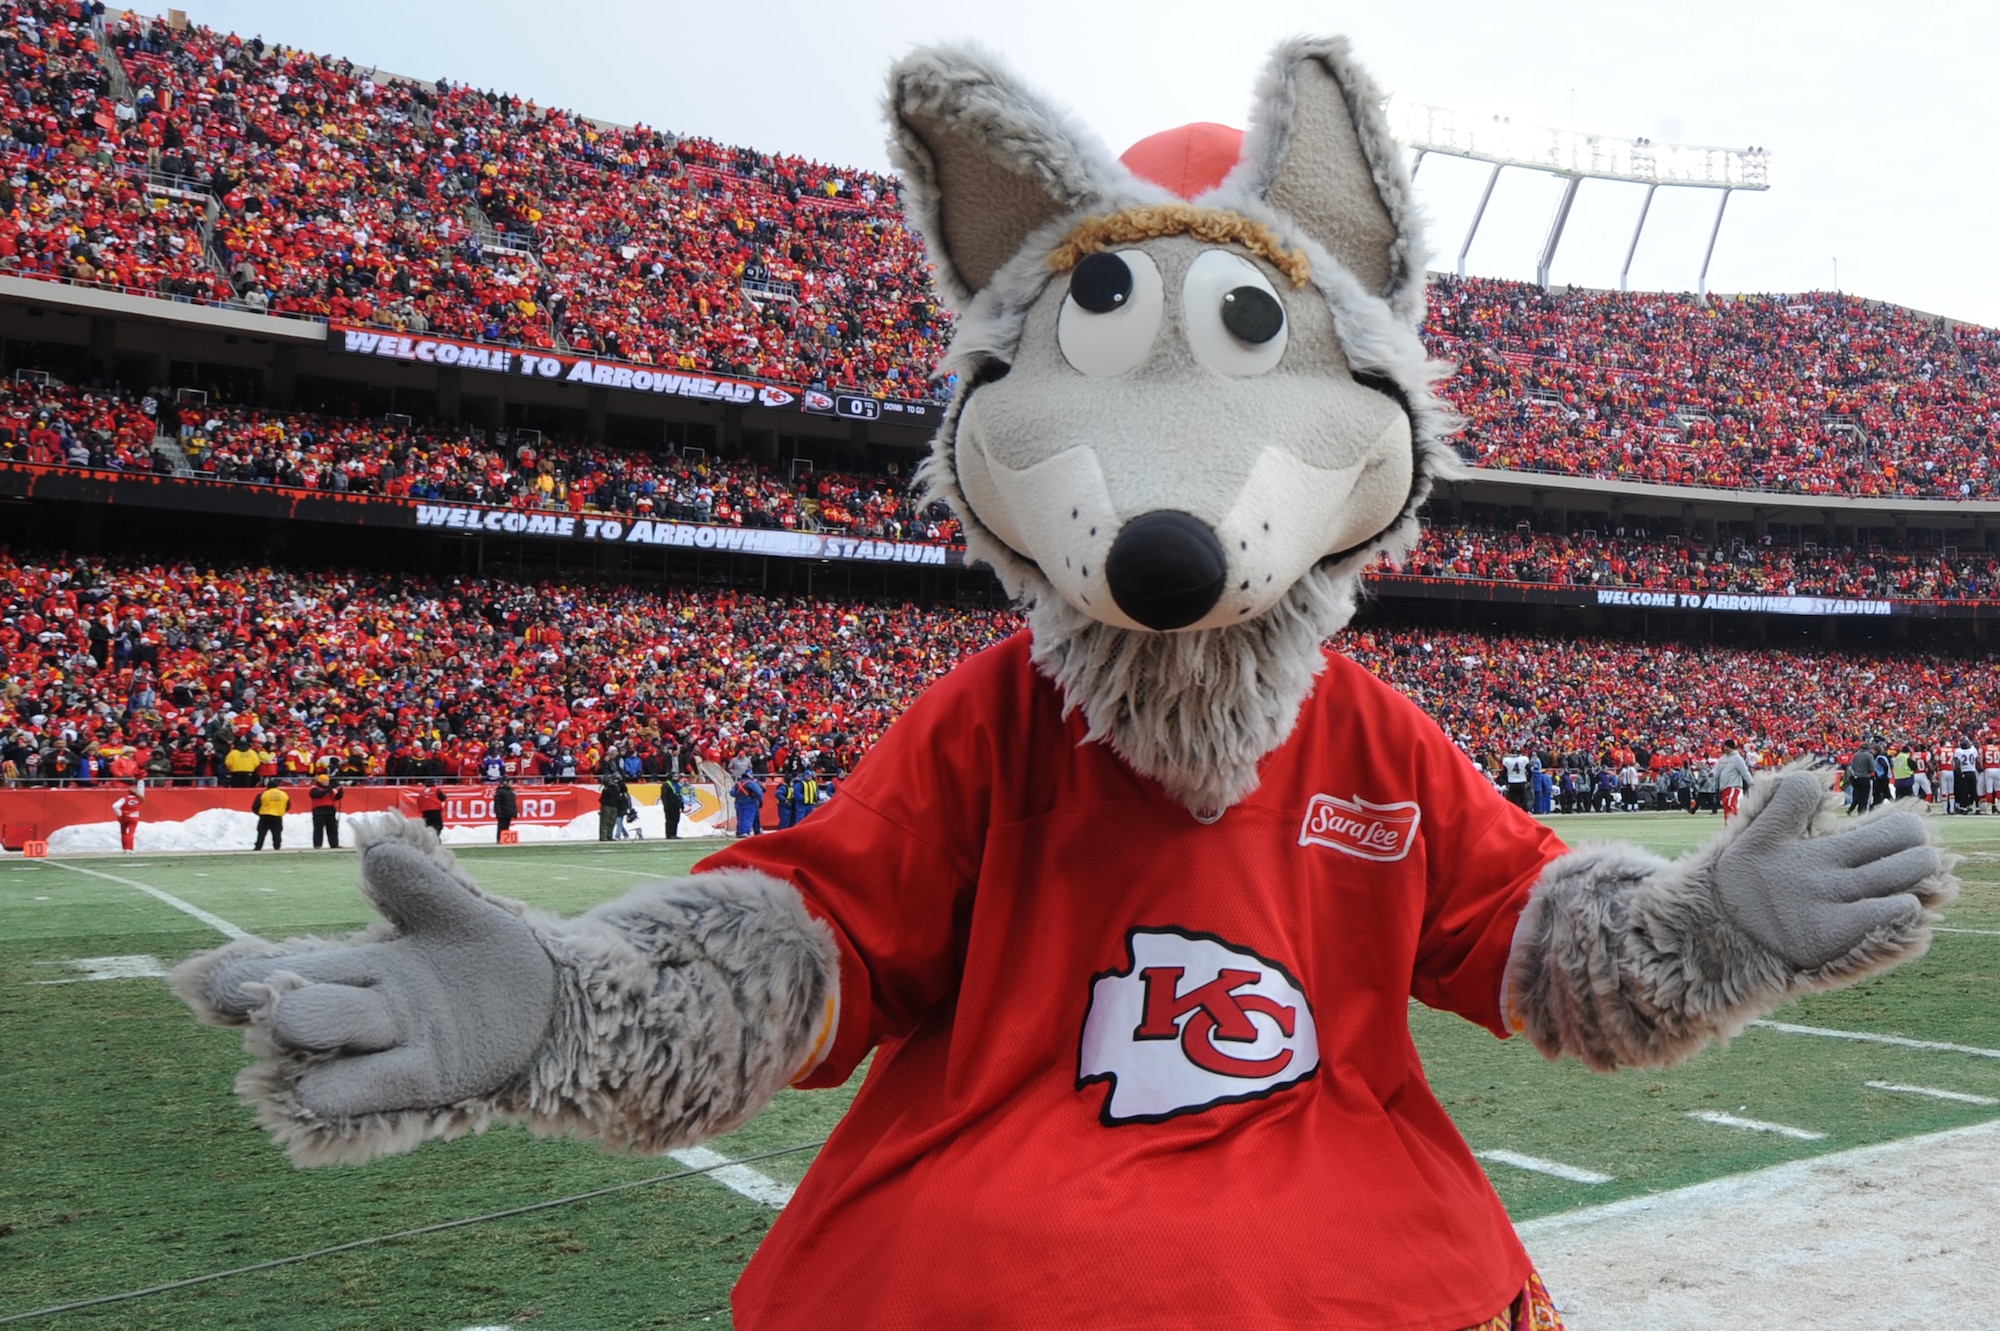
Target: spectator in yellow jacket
{"x":241,"y":763}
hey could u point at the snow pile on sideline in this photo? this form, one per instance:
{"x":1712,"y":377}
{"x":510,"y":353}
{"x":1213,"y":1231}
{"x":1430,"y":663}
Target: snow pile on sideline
{"x":211,"y":829}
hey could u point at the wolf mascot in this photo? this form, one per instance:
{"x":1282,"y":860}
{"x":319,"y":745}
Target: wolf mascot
{"x":1130,"y":907}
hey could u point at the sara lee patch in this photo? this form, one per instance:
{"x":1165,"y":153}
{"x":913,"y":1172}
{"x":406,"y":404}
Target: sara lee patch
{"x":1360,"y":827}
{"x":1194,"y":1022}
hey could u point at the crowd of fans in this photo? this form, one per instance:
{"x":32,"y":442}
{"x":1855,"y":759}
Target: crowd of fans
{"x":329,"y":203}
{"x":1814,"y":394}
{"x":444,"y":208}
{"x":53,"y":424}
{"x":49,"y":423}
{"x":165,"y":669}
{"x":1496,"y":693}
{"x":689,"y":253}
{"x":336,"y":193}
{"x":1684,"y":564}
{"x":56,"y":425}
{"x":74,"y":203}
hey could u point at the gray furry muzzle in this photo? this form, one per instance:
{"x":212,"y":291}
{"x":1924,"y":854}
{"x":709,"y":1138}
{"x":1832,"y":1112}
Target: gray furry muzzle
{"x":1195,"y":711}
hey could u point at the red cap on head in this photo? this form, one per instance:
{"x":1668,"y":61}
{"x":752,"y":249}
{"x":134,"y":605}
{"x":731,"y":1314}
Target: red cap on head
{"x":1190,"y":160}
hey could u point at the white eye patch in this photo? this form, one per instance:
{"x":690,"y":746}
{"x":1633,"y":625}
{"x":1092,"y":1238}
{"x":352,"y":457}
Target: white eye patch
{"x":1236,"y":324}
{"x":1112,"y":313}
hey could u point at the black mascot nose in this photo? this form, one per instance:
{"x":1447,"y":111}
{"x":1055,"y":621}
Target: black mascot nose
{"x":1166,"y":569}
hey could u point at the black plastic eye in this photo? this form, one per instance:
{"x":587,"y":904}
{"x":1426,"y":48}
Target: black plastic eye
{"x":1252,"y":315}
{"x":1101,"y":283}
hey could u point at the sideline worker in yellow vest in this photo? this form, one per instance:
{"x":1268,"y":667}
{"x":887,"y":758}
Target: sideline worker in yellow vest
{"x":271,"y":805}
{"x":1903,"y":772}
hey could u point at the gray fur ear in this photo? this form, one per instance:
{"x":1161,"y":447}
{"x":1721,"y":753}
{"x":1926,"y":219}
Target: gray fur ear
{"x":985,"y":161}
{"x":1320,"y":150}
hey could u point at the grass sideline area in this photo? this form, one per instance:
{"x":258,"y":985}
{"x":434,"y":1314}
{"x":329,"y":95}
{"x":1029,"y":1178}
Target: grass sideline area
{"x":130,"y":1163}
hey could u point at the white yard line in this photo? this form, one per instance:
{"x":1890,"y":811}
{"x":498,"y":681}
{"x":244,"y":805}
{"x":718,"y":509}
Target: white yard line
{"x":1869,"y":1037}
{"x":215,"y":922}
{"x":1756,"y":1125}
{"x":1537,"y":1165}
{"x":1962,"y":1097}
{"x":1984,"y":933}
{"x":752,"y":1183}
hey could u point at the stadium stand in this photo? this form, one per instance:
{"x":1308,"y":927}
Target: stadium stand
{"x":327,"y":204}
{"x":685,"y":252}
{"x":51,"y":424}
{"x":47,"y":422}
{"x":1818,"y":394}
{"x":340,"y":194}
{"x":1680,"y":699}
{"x":73,"y":205}
{"x":170,"y":160}
{"x":445,"y":209}
{"x":1591,"y":559}
{"x":165,"y":665}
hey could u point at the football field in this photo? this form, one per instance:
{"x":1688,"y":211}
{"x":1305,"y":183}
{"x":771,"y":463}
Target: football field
{"x":130,"y":1165}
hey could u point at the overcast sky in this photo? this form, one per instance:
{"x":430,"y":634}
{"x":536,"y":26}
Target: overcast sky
{"x":1880,"y":119}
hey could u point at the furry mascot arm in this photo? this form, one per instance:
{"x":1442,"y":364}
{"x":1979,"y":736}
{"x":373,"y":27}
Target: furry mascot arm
{"x":1624,"y":959}
{"x":651,"y":1022}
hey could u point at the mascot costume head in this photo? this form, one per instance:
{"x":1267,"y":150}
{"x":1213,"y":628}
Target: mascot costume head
{"x":1192,"y":401}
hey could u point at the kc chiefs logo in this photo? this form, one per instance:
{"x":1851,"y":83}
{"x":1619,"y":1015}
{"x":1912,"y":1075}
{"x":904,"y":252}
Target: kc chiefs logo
{"x":1195,"y":1022}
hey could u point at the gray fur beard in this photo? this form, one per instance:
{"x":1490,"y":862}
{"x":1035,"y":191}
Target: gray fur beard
{"x":1195,"y":711}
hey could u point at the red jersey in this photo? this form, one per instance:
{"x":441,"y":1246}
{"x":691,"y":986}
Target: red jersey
{"x":1989,"y":755}
{"x":128,"y":807}
{"x":1138,"y":1070}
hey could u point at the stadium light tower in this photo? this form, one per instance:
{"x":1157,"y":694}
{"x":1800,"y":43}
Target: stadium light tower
{"x":1575,"y":158}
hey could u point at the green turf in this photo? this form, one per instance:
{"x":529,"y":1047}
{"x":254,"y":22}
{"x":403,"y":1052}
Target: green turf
{"x":128,"y":1164}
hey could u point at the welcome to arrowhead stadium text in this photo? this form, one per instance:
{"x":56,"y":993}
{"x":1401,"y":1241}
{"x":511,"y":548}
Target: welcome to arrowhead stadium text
{"x":644,"y":531}
{"x":1770,"y":605}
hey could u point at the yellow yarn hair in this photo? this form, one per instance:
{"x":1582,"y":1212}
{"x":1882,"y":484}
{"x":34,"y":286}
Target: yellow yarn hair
{"x":1214,"y":225}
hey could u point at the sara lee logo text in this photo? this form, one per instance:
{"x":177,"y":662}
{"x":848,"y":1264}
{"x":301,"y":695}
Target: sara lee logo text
{"x":1360,"y":827}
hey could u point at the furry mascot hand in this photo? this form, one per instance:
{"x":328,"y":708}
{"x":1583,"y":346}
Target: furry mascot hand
{"x":453,"y":1005}
{"x":1813,"y":900}
{"x":652,"y":1022}
{"x":1624,"y":959}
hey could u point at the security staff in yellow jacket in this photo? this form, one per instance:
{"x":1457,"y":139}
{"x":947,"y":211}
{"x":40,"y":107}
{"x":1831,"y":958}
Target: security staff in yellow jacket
{"x":270,"y":806}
